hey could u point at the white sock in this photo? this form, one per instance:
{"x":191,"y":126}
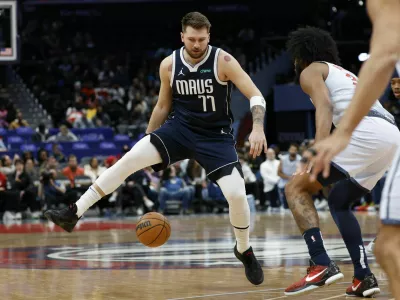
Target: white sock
{"x":242,"y":239}
{"x":142,"y":155}
{"x":90,"y":197}
{"x":234,"y":190}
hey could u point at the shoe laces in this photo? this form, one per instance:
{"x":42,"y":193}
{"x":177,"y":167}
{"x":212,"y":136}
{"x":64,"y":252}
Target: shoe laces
{"x":72,"y":208}
{"x":310,"y":269}
{"x":370,"y":279}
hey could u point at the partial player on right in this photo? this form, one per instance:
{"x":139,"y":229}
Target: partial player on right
{"x":355,"y":171}
{"x":395,"y":84}
{"x":374,"y":77}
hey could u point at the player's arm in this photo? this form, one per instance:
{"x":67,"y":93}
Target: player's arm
{"x":313,"y":84}
{"x":377,"y":70}
{"x":231,"y":70}
{"x":163,"y":107}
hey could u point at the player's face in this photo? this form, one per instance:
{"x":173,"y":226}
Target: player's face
{"x":195,"y":41}
{"x":396,"y":87}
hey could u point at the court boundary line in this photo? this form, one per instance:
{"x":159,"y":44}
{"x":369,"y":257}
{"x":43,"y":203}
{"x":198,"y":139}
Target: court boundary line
{"x":225,"y":294}
{"x":334,"y":297}
{"x":256,"y":291}
{"x":276,"y":298}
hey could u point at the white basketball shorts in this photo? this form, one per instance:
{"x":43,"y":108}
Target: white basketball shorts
{"x":370,"y":153}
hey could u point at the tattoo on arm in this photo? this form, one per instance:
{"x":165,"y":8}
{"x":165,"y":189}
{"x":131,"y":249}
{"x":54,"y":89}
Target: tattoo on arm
{"x":170,"y":68}
{"x":258,"y":113}
{"x":227,"y":58}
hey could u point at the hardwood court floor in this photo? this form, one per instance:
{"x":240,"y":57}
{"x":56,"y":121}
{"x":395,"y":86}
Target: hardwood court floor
{"x":103,"y":260}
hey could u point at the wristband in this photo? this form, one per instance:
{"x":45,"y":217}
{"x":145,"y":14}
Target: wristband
{"x":257,"y":100}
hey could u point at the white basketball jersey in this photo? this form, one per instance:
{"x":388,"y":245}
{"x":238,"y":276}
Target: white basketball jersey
{"x":342,"y":85}
{"x":398,"y":68}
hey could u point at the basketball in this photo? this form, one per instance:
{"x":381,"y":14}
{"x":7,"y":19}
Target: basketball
{"x":153,"y":230}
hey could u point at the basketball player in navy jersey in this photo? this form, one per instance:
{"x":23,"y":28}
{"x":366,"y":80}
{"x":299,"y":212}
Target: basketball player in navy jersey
{"x":355,"y":171}
{"x":374,"y":77}
{"x":196,"y":85}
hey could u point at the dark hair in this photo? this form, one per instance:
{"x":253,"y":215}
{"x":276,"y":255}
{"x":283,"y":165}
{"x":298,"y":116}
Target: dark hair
{"x":38,"y":154}
{"x":71,"y":156}
{"x":18,"y":161}
{"x":92,"y":159}
{"x":195,"y":20}
{"x":26,"y":153}
{"x":166,"y":174}
{"x":293,"y":145}
{"x":312,"y":44}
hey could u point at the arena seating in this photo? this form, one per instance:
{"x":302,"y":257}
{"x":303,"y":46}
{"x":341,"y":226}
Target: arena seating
{"x":93,"y":141}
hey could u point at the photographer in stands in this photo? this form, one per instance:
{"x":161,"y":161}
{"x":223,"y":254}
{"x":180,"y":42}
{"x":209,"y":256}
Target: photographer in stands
{"x":51,"y":192}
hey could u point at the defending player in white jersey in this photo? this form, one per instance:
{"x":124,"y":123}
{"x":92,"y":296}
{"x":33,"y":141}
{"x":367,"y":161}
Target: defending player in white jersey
{"x":355,"y":171}
{"x":374,"y":77}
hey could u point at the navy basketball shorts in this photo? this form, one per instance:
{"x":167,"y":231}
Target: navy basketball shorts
{"x":214,"y":151}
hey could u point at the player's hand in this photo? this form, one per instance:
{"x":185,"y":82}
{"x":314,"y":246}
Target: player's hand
{"x":305,"y":164}
{"x":257,"y":141}
{"x":324,"y":151}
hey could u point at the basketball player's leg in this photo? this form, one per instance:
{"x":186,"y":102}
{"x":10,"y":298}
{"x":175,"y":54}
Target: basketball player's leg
{"x":232,"y":185}
{"x":299,"y":191}
{"x":142,"y":155}
{"x":342,"y":195}
{"x":388,"y":241}
{"x":387,"y":254}
{"x":340,"y":199}
{"x":233,"y":188}
{"x":220,"y":161}
{"x":158,"y":150}
{"x":223,"y":168}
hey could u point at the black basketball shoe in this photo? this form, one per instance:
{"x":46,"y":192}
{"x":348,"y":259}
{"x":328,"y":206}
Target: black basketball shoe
{"x":66,"y":218}
{"x":254,"y":272}
{"x":364,"y":288}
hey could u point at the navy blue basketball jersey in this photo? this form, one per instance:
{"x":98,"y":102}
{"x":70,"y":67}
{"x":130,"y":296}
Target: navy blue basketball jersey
{"x":201,"y":100}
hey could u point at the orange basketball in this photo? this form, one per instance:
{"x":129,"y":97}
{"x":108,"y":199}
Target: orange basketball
{"x":153,"y":229}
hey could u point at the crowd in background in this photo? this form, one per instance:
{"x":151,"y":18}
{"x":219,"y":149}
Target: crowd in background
{"x":82,"y":85}
{"x":84,"y":81}
{"x":29,"y":185}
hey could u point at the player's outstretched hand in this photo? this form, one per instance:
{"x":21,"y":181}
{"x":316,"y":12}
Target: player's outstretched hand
{"x":257,"y":141}
{"x":324,"y":151}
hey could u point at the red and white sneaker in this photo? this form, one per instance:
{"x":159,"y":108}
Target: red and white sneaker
{"x":317,"y":277}
{"x":364,"y":288}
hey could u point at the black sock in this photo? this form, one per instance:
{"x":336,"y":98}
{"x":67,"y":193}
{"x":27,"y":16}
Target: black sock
{"x":315,"y":243}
